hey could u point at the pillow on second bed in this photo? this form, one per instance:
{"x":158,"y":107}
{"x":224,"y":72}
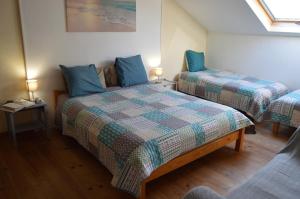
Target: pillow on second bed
{"x":131,"y":71}
{"x":194,"y":61}
{"x":82,"y":80}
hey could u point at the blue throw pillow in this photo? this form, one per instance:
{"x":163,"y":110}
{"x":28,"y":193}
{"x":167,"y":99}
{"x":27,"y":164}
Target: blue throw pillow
{"x":131,"y":71}
{"x":194,"y":61}
{"x":82,"y":80}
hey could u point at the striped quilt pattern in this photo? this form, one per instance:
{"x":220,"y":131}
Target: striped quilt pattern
{"x":247,"y":94}
{"x":133,"y":131}
{"x":285,"y":110}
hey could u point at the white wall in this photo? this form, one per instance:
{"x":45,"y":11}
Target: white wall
{"x":268,"y":57}
{"x":12,"y":75}
{"x":180,"y":32}
{"x":47,"y":43}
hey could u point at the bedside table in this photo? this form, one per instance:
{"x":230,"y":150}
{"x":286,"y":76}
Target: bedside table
{"x":166,"y":84}
{"x":39,"y":123}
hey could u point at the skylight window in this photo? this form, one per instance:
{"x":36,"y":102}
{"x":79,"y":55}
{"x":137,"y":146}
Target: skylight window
{"x":280,"y":16}
{"x":282,"y":10}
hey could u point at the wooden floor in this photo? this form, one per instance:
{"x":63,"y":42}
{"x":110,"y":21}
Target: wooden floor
{"x":60,"y":168}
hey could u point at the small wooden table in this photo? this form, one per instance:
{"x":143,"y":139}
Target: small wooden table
{"x":39,"y":123}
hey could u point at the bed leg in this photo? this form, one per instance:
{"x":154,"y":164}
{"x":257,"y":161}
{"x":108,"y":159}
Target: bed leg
{"x":143,"y":191}
{"x":240,"y":141}
{"x":275,"y":128}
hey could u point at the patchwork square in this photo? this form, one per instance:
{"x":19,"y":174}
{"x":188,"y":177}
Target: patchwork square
{"x":172,"y":102}
{"x":95,"y":110}
{"x":211,"y":130}
{"x":192,"y":118}
{"x":190,"y":98}
{"x":187,"y":137}
{"x":179,"y":113}
{"x":146,"y":90}
{"x":139,"y":123}
{"x":118,"y":106}
{"x":169,"y":145}
{"x":113,"y":97}
{"x":110,"y":133}
{"x":133,"y":112}
{"x":118,"y":115}
{"x":172,"y":94}
{"x":158,"y":105}
{"x":192,"y":105}
{"x":162,"y":129}
{"x":199,"y":91}
{"x":209,"y":111}
{"x":124,"y":145}
{"x":129,"y":93}
{"x":231,"y":86}
{"x":199,"y":133}
{"x":156,"y":116}
{"x":173,"y":123}
{"x":138,"y":102}
{"x":226,"y":96}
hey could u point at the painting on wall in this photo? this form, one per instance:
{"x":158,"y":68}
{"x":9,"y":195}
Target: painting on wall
{"x":101,"y":15}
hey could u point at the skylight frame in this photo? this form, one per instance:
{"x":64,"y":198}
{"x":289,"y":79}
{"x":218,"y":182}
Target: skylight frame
{"x":268,"y":11}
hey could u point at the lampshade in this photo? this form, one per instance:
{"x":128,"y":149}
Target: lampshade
{"x":158,"y":71}
{"x":32,"y":85}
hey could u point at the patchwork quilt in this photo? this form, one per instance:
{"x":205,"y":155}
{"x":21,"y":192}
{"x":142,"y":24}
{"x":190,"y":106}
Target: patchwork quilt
{"x":286,"y":110}
{"x":133,"y":131}
{"x":247,"y":94}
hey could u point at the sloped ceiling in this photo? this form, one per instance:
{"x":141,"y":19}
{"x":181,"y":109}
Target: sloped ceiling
{"x":230,"y":16}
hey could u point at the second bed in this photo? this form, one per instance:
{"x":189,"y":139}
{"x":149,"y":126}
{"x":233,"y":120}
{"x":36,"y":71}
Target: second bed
{"x":244,"y":93}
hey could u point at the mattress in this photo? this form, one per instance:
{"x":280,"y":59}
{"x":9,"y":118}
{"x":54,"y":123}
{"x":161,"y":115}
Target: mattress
{"x":135,"y":130}
{"x":247,"y":94}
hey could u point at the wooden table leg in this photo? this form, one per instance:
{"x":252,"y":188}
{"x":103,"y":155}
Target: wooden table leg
{"x":275,"y":128}
{"x":11,"y":123}
{"x":143,"y":191}
{"x":239,"y":145}
{"x":8,"y":125}
{"x":45,"y":122}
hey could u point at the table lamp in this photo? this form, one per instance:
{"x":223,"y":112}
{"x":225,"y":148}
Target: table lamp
{"x":32,"y":85}
{"x":158,"y":72}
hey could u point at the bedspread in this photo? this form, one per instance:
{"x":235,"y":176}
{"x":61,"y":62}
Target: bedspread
{"x":133,"y":131}
{"x":285,"y":110}
{"x":247,"y":94}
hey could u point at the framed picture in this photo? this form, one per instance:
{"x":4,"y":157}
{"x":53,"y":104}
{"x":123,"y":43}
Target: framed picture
{"x":101,"y":15}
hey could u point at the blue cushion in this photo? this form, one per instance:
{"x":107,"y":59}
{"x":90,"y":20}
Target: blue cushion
{"x":195,"y":61}
{"x":131,"y":71}
{"x":82,"y":80}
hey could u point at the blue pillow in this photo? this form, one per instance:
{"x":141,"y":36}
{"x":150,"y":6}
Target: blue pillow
{"x":194,"y":61}
{"x":82,"y":80}
{"x":131,"y":71}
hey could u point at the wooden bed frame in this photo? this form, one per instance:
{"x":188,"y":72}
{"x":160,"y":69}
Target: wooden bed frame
{"x":195,"y":154}
{"x":188,"y":157}
{"x":275,"y":128}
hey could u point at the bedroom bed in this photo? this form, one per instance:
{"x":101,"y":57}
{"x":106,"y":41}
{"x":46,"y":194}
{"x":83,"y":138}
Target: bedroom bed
{"x":143,"y":132}
{"x":244,"y":93}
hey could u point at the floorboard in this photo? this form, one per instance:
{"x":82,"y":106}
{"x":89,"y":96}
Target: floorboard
{"x":60,"y":168}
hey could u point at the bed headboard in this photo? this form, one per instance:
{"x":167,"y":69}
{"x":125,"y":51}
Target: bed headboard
{"x":56,"y":94}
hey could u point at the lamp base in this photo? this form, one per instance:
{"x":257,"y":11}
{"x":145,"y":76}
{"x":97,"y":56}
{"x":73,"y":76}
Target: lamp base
{"x":31,"y":97}
{"x":158,"y":80}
